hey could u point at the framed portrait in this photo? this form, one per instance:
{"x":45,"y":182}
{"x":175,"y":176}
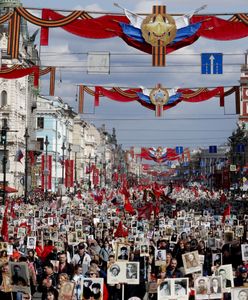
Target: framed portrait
{"x":21,"y":232}
{"x":122,"y":252}
{"x":244,"y":250}
{"x":19,"y":275}
{"x":144,"y":250}
{"x":66,"y":290}
{"x":31,"y":242}
{"x":59,"y":245}
{"x":181,"y":288}
{"x":240,"y":293}
{"x":3,"y":246}
{"x":215,"y":287}
{"x":92,"y":287}
{"x":239,"y":231}
{"x":191,"y":262}
{"x":201,"y":288}
{"x":216,"y":259}
{"x":78,"y":225}
{"x":212,"y":243}
{"x":164,"y":289}
{"x":132,"y":273}
{"x":173,"y":238}
{"x":226,"y":273}
{"x":160,"y":257}
{"x":72,"y":238}
{"x":116,"y":273}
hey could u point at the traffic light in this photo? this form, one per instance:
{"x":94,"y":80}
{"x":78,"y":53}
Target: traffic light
{"x":3,"y":136}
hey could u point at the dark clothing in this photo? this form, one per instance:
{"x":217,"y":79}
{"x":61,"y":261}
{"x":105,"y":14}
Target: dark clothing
{"x":68,"y":269}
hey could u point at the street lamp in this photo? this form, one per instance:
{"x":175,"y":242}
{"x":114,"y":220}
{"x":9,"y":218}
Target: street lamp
{"x":89,"y":181}
{"x":69,"y":151}
{"x":63,"y":161}
{"x":4,"y":131}
{"x":46,"y":167}
{"x":26,"y":136}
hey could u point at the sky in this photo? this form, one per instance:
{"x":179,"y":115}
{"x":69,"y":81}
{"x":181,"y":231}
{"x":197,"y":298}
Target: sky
{"x":191,"y":125}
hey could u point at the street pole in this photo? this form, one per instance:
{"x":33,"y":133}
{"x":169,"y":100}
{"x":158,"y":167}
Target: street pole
{"x":75,"y":172}
{"x":26,"y":136}
{"x":89,"y":181}
{"x":69,"y":157}
{"x":63,"y":162}
{"x":4,"y":143}
{"x":46,"y":165}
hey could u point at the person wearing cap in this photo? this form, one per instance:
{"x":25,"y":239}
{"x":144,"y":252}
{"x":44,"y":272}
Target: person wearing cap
{"x":81,"y":258}
{"x":115,"y":270}
{"x":242,"y":277}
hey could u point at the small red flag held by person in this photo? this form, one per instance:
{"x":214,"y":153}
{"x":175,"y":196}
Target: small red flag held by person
{"x":120,"y":231}
{"x":227,"y":212}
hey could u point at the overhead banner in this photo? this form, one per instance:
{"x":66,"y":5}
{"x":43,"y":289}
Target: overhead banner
{"x":46,"y":172}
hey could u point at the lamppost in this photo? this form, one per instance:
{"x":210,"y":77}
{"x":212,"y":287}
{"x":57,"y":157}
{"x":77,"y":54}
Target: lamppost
{"x":46,"y":171}
{"x":4,"y":143}
{"x":89,"y":181}
{"x":69,"y":151}
{"x":95,"y":168}
{"x":26,"y":136}
{"x":63,"y":161}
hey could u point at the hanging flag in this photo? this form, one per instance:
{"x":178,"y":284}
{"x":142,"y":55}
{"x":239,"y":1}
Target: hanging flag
{"x":81,"y":99}
{"x":19,"y":155}
{"x":69,"y":173}
{"x":31,"y":157}
{"x":95,"y":176}
{"x":4,"y":230}
{"x":46,"y":172}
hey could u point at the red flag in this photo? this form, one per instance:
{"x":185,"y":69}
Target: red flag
{"x":79,"y":195}
{"x":96,"y":176}
{"x":31,"y":157}
{"x":4,"y":230}
{"x":128,"y":207}
{"x":145,"y":211}
{"x":125,"y":192}
{"x":227,"y":212}
{"x":223,"y":198}
{"x":69,"y":173}
{"x":120,"y":231}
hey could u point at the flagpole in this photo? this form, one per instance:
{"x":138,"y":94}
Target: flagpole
{"x":26,"y":136}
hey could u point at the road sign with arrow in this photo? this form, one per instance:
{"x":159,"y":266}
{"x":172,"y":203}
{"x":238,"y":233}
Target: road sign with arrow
{"x":211,"y":63}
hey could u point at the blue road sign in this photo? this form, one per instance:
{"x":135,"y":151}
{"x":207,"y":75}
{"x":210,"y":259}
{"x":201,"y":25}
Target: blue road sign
{"x":179,"y":150}
{"x":212,"y":149}
{"x":211,"y":63}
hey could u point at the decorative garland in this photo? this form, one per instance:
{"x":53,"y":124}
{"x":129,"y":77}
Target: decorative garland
{"x":18,"y":71}
{"x":136,"y":94}
{"x":82,"y":24}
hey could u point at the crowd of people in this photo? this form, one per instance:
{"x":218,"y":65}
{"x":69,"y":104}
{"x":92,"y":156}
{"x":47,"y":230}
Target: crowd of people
{"x":127,"y":243}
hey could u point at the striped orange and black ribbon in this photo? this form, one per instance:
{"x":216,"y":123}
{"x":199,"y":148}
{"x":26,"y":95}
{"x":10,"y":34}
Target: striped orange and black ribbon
{"x":14,"y":35}
{"x":81,"y":99}
{"x":159,"y":51}
{"x":52,"y":81}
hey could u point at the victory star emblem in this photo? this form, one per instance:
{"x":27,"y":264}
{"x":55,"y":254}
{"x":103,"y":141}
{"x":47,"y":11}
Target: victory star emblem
{"x":158,"y":29}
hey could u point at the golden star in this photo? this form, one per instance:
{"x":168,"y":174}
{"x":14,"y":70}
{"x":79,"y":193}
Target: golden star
{"x":159,"y":27}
